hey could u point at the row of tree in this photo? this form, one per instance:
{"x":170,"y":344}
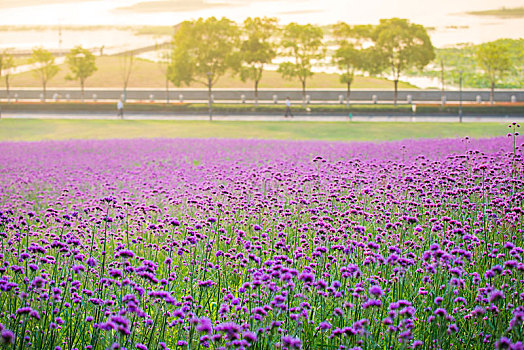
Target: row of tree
{"x":203,"y":50}
{"x":81,"y":62}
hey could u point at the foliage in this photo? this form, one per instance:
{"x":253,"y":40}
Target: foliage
{"x":7,"y":63}
{"x":400,"y":45}
{"x":464,"y":58}
{"x":204,"y":50}
{"x":493,"y":59}
{"x":82,"y":64}
{"x":46,"y":68}
{"x":302,"y":43}
{"x":257,"y":49}
{"x":350,"y":56}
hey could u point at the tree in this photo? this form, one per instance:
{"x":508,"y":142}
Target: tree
{"x":163,"y":64}
{"x":203,"y":51}
{"x":494,"y":59}
{"x":304,"y":44}
{"x":442,"y":80}
{"x":82,"y":64}
{"x":46,"y":68}
{"x":7,"y":63}
{"x":350,"y":55}
{"x":400,"y":45}
{"x":126,"y":61}
{"x":257,"y":49}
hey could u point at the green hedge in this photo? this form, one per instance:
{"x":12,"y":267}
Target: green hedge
{"x":223,"y":108}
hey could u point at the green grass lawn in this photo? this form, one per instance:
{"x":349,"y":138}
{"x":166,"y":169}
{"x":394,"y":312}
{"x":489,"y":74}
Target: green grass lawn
{"x":147,"y":74}
{"x":41,"y":129}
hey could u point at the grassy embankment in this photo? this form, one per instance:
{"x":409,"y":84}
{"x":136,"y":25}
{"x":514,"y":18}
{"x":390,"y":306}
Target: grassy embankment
{"x":148,"y":74}
{"x":41,"y":129}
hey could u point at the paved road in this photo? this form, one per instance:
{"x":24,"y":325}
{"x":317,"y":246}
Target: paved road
{"x":142,"y":116}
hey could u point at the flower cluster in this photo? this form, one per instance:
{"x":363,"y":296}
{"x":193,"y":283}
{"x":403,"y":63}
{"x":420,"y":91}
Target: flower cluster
{"x":236,"y":244}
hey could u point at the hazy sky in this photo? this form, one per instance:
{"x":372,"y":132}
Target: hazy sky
{"x":444,"y":15}
{"x":319,"y":11}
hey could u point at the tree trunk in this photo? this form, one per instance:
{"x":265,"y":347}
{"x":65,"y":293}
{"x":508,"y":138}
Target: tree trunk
{"x":82,"y":89}
{"x":7,"y":85}
{"x":395,"y":95}
{"x":256,"y":93}
{"x":442,"y":80}
{"x":492,"y":93}
{"x":210,"y":103}
{"x":304,"y":93}
{"x":124,"y":99}
{"x":167,"y":91}
{"x":44,"y":86}
{"x":348,"y":94}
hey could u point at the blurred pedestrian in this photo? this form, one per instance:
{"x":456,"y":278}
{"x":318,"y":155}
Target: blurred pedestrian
{"x":288,"y":108}
{"x":120,"y":108}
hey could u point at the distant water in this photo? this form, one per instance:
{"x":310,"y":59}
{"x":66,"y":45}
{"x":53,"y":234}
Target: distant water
{"x":447,"y":16}
{"x":112,"y":40}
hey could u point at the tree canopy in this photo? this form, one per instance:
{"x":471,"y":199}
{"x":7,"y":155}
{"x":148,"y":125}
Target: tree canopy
{"x":257,"y":49}
{"x":203,"y":52}
{"x":46,"y":68}
{"x":400,"y":45}
{"x":350,"y":55}
{"x":303,"y":44}
{"x":7,"y":62}
{"x":82,"y":64}
{"x":493,"y":58}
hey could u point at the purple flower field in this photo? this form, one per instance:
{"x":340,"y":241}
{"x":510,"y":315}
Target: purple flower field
{"x":236,"y":244}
